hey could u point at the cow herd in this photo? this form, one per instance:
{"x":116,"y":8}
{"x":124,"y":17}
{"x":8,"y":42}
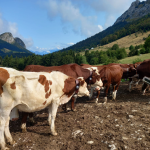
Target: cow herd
{"x":38,"y":87}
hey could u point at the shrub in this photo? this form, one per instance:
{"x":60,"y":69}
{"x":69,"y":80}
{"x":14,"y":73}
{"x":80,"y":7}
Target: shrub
{"x":142,"y":51}
{"x":137,"y":60}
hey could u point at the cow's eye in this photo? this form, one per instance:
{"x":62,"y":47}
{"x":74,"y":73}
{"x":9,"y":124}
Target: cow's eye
{"x":90,"y":78}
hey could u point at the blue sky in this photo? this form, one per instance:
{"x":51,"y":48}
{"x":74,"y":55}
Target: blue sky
{"x":46,"y":25}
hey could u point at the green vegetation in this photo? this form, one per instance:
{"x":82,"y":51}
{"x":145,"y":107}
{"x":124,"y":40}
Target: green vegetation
{"x":130,"y":60}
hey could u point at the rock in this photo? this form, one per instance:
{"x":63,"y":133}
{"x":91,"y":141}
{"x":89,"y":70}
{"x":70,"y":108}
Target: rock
{"x":8,"y":37}
{"x":77,"y":132}
{"x":137,"y":10}
{"x":131,"y":116}
{"x":90,"y":142}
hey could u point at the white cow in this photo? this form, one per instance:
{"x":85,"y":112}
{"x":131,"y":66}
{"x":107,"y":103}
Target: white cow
{"x":33,"y":91}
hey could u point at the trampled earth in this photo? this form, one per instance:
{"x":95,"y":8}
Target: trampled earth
{"x":124,"y":124}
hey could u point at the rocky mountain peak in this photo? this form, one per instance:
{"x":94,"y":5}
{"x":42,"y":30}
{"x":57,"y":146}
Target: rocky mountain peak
{"x":136,"y":10}
{"x":20,"y":42}
{"x":8,"y":37}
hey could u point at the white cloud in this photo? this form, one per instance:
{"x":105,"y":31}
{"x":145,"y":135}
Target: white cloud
{"x":100,"y":27}
{"x":71,"y":14}
{"x":11,"y":27}
{"x":76,"y":13}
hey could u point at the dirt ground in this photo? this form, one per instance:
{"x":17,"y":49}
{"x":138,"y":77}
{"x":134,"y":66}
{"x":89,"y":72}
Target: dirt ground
{"x":123,"y":124}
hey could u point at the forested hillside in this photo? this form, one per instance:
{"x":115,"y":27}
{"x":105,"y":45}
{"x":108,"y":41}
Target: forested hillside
{"x":111,"y":55}
{"x":113,"y":33}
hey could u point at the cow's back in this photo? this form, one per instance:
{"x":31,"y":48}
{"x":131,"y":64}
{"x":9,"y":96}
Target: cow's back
{"x":144,"y":69}
{"x":72,"y":70}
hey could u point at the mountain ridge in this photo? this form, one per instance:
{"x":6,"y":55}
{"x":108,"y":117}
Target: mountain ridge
{"x":120,"y":23}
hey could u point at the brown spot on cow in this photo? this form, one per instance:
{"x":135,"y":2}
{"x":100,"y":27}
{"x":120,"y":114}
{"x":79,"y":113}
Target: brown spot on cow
{"x":46,"y":83}
{"x":44,"y":103}
{"x":48,"y":94}
{"x":42,"y":79}
{"x":69,"y":86}
{"x":46,"y":86}
{"x":50,"y":82}
{"x":4,"y":75}
{"x":81,"y":82}
{"x":13,"y":86}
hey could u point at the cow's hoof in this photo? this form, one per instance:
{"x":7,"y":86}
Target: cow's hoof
{"x":24,"y":130}
{"x":6,"y":148}
{"x":74,"y":110}
{"x":12,"y":142}
{"x":104,"y":103}
{"x":54,"y":133}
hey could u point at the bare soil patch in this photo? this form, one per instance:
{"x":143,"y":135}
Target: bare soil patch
{"x":123,"y":124}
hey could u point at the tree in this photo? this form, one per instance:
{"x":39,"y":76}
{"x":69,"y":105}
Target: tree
{"x":68,"y":59}
{"x":147,"y":43}
{"x":131,"y":47}
{"x":115,"y":47}
{"x":142,"y":50}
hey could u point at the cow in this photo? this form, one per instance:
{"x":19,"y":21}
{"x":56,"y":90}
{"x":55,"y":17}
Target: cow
{"x":33,"y":91}
{"x":127,"y":72}
{"x":110,"y":75}
{"x":143,"y":70}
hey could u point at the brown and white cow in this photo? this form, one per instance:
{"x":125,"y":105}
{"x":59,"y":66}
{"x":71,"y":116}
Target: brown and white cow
{"x":73,"y":70}
{"x":91,"y":76}
{"x":33,"y":91}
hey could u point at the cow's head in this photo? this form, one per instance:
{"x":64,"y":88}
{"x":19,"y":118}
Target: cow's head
{"x":81,"y":87}
{"x":95,"y":79}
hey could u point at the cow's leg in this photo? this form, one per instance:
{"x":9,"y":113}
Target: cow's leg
{"x":137,"y":82}
{"x":53,"y":111}
{"x":2,"y":127}
{"x":23,"y":121}
{"x":115,"y":91}
{"x":7,"y":132}
{"x":73,"y":99}
{"x":98,"y":93}
{"x":130,"y":84}
{"x":106,"y":92}
{"x":31,"y":119}
{"x":49,"y":114}
{"x":144,"y":87}
{"x":91,"y":92}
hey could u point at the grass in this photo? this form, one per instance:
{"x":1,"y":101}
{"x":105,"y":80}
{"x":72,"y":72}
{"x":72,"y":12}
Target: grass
{"x":125,"y":42}
{"x":129,"y":60}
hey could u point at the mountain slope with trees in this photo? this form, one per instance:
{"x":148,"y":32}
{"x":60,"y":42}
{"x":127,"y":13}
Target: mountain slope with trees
{"x":12,"y":49}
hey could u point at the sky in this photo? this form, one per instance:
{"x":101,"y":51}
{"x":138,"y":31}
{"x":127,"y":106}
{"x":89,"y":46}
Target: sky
{"x":48,"y":25}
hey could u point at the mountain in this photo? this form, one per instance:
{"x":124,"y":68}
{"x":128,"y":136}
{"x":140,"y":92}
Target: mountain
{"x":12,"y":46}
{"x":7,"y":37}
{"x":135,"y":19}
{"x":137,"y":10}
